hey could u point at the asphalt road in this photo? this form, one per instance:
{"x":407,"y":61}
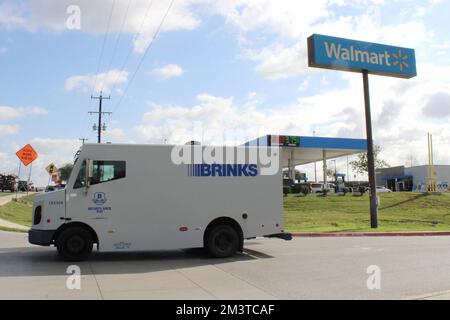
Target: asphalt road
{"x":304,"y":268}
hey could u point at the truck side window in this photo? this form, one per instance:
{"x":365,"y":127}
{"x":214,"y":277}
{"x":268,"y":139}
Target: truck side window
{"x":81,"y":178}
{"x":105,"y":171}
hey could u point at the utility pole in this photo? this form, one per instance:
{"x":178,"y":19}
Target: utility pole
{"x":100,"y":113}
{"x":83,"y":139}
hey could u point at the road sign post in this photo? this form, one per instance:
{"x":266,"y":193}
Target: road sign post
{"x":366,"y":58}
{"x":51,"y":169}
{"x":26,"y":156}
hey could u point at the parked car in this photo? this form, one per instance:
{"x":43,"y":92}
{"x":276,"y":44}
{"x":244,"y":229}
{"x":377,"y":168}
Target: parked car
{"x":318,"y":187}
{"x":380,"y":189}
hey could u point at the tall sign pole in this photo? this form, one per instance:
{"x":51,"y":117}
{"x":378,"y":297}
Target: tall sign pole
{"x":26,"y":156}
{"x":367,"y":58}
{"x":370,"y":156}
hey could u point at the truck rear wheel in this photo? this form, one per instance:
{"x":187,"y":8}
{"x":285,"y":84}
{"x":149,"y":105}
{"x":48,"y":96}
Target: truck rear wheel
{"x":222,"y":241}
{"x":74,"y":244}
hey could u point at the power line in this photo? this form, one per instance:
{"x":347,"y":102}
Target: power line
{"x":144,"y":55}
{"x":119,"y":35}
{"x":103,"y":46}
{"x":136,"y":35}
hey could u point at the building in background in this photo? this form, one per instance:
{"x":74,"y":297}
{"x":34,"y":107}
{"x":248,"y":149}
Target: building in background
{"x":413,"y":178}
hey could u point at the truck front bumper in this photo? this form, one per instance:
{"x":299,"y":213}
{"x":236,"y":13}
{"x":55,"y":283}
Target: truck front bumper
{"x":41,"y":237}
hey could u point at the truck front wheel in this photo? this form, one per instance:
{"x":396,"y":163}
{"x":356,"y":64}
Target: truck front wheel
{"x":222,"y":241}
{"x":74,"y":244}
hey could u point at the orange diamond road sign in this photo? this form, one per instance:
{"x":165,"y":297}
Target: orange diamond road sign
{"x":27,"y":154}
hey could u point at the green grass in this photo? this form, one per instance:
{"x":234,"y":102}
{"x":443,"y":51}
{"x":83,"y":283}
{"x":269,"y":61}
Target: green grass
{"x":397,"y":212}
{"x":18,"y":212}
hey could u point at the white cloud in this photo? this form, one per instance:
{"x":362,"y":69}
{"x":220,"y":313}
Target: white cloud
{"x":438,"y":106}
{"x":7,"y":113}
{"x":51,"y":15}
{"x":116,"y":135}
{"x":219,"y":120}
{"x":283,"y":27}
{"x":7,"y":163}
{"x":101,"y":82}
{"x":278,"y":62}
{"x":9,"y":129}
{"x":168,"y":71}
{"x":10,"y":16}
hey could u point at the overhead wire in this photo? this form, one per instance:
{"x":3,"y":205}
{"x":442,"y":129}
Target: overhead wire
{"x":136,"y":36}
{"x":103,"y":46}
{"x":101,"y":55}
{"x":119,"y":35}
{"x":149,"y":46}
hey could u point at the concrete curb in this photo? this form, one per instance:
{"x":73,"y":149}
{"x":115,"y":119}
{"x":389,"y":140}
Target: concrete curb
{"x":371,"y":234}
{"x":442,"y":295}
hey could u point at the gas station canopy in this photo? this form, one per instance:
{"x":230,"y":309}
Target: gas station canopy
{"x":298,"y":150}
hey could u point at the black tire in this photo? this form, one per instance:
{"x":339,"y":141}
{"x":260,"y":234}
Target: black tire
{"x":74,"y":244}
{"x":222,"y":241}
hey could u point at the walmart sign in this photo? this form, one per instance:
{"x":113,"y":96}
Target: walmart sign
{"x":357,"y":56}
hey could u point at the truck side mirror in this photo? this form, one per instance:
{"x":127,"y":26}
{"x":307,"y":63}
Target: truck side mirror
{"x":89,"y":172}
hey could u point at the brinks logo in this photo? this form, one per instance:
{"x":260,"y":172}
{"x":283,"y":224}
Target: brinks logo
{"x":222,"y":170}
{"x":99,"y":198}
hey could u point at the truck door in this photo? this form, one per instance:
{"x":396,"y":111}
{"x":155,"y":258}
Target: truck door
{"x":98,"y":205}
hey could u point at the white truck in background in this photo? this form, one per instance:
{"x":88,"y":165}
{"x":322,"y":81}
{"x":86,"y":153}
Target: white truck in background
{"x":138,"y":197}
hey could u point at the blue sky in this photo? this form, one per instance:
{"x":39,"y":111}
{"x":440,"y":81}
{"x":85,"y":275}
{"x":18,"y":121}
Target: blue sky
{"x":235,"y":68}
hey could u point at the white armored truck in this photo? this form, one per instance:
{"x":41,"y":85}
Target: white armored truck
{"x":161,"y":197}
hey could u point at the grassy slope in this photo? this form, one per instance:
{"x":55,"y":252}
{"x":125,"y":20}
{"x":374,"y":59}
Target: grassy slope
{"x":397,"y":212}
{"x":18,"y":212}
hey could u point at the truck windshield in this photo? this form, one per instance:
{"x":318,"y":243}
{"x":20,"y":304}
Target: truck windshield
{"x":104,"y":171}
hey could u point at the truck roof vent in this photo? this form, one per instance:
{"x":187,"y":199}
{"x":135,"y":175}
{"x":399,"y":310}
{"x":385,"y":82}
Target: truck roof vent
{"x":193,"y":143}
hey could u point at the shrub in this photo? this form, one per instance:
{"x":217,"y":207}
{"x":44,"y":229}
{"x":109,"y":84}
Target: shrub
{"x":286,"y":190}
{"x":304,"y":190}
{"x":362,"y":190}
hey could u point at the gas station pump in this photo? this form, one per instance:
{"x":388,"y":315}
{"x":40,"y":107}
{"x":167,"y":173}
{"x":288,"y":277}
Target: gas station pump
{"x":339,"y":182}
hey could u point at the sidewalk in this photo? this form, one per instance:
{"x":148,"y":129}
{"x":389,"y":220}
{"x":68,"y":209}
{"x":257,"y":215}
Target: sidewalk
{"x":4,"y":223}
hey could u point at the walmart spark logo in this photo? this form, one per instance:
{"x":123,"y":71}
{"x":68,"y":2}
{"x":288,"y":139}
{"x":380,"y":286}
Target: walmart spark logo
{"x":401,"y":60}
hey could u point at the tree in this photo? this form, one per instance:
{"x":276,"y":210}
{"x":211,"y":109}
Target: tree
{"x":330,"y":173}
{"x":65,"y":171}
{"x":297,"y":174}
{"x":360,"y":165}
